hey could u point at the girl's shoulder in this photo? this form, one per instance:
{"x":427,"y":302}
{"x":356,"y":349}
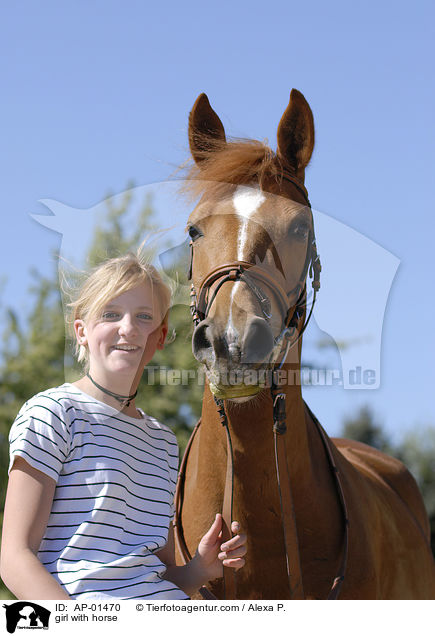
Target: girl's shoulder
{"x":161,"y":433}
{"x":154,"y":424}
{"x":56,"y":398}
{"x":41,"y":432}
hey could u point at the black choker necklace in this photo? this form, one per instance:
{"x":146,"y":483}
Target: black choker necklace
{"x":124,"y":400}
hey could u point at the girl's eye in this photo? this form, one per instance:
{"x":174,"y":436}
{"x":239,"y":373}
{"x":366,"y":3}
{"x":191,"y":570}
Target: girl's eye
{"x":145,"y":317}
{"x":110,"y":315}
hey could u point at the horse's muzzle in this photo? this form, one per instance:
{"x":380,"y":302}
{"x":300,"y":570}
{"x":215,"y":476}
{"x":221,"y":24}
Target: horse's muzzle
{"x":253,"y":347}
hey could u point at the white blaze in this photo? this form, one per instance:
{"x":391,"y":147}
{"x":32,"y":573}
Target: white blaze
{"x":246,"y":202}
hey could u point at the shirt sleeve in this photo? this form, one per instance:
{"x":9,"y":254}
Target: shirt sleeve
{"x":40,"y":435}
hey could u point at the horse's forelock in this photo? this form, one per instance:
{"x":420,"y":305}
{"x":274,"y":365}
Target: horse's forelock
{"x":239,"y":162}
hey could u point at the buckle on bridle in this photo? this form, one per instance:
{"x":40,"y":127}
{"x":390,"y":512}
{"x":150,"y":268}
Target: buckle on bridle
{"x":279,"y":414}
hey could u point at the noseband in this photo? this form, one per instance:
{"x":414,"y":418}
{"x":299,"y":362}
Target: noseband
{"x":251,"y":275}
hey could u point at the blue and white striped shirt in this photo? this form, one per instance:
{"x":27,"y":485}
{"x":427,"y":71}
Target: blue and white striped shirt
{"x":115,"y":482}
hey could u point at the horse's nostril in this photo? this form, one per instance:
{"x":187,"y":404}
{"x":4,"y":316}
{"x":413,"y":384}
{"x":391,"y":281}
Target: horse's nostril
{"x":235,"y":353}
{"x":257,"y":342}
{"x":201,"y":345}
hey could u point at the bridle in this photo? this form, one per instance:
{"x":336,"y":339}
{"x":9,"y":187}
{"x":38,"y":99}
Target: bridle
{"x":202,"y":300}
{"x":256,"y":278}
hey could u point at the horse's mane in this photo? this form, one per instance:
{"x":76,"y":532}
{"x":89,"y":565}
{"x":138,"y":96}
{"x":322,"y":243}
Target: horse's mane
{"x":235,"y":162}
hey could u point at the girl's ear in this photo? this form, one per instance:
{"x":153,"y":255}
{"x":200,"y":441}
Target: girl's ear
{"x":80,"y":332}
{"x":163,"y":334}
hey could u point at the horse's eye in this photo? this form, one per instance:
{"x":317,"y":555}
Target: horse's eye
{"x":194,"y":233}
{"x":300,"y":230}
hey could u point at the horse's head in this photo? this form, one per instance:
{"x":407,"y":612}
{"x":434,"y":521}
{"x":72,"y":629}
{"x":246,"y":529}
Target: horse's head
{"x":252,"y":241}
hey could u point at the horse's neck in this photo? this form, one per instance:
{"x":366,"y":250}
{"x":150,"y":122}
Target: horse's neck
{"x":251,"y":429}
{"x":256,"y":500}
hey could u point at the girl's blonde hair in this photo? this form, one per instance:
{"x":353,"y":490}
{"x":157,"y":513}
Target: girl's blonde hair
{"x":111,"y":279}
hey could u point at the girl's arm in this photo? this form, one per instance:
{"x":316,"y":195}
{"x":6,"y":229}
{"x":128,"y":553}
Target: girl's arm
{"x":210,"y":556}
{"x":28,"y":504}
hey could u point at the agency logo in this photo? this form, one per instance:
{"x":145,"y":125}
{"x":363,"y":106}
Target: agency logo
{"x":26,"y":615}
{"x":356,"y":278}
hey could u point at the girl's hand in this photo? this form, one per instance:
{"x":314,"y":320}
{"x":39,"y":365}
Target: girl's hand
{"x":211,"y":554}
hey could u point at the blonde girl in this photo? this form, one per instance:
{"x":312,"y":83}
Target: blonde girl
{"x":91,"y":475}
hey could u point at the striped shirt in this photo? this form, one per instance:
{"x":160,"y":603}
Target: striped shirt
{"x":115,"y":481}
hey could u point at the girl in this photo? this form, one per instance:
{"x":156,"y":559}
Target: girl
{"x":92,"y":477}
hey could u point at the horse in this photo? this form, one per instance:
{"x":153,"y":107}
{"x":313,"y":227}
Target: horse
{"x":325,"y":518}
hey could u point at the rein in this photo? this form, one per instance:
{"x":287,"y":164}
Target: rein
{"x":200,"y":307}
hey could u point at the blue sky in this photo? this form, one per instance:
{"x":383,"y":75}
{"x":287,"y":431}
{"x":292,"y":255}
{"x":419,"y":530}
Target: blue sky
{"x":97,"y":93}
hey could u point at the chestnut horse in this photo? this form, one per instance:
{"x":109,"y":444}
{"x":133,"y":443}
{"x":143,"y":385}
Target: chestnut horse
{"x":356,"y":521}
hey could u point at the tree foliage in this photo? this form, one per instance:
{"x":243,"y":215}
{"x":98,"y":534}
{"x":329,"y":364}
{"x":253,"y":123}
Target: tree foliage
{"x":417,"y":452}
{"x":364,"y":428}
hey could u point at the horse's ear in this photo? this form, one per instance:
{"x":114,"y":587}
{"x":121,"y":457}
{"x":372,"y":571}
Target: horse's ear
{"x":206,"y":131}
{"x":296,"y":133}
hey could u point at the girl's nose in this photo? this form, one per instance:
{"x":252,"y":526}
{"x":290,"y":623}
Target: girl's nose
{"x":127,"y":325}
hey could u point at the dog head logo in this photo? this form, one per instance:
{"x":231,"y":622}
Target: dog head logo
{"x":26,"y":615}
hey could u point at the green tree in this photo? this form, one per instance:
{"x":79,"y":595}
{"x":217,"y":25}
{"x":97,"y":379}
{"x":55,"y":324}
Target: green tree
{"x":364,"y":428}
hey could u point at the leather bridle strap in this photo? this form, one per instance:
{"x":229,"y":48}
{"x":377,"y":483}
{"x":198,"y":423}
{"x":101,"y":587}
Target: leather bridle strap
{"x":234,"y":271}
{"x":339,"y":578}
{"x":288,"y":518}
{"x":227,"y":504}
{"x":177,"y":525}
{"x":294,"y":572}
{"x":201,"y":302}
{"x":291,"y":178}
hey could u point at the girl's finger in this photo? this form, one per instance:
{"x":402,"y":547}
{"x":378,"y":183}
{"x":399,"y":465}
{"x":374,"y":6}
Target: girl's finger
{"x":235,"y":527}
{"x":214,"y":532}
{"x":235,"y":542}
{"x":232,"y":554}
{"x":234,"y":563}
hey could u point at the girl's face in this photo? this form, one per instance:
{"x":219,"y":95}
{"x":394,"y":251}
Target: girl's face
{"x":124,"y":339}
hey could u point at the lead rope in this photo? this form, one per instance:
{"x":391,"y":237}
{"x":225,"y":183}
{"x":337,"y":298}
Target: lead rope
{"x":288,"y":517}
{"x":227,"y":504}
{"x":227,"y":508}
{"x":177,"y":525}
